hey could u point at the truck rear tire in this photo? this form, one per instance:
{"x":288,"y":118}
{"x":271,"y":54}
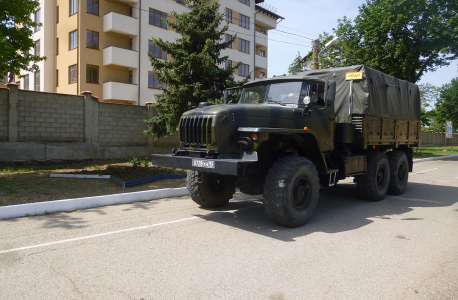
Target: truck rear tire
{"x":209,"y":190}
{"x":399,"y":170}
{"x":291,"y":191}
{"x":373,"y":185}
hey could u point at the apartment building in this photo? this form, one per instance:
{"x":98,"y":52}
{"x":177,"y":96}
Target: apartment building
{"x":101,"y":45}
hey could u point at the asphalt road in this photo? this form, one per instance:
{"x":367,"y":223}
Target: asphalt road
{"x":404,"y":247}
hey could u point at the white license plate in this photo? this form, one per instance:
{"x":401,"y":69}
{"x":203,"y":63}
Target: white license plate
{"x":203,"y":164}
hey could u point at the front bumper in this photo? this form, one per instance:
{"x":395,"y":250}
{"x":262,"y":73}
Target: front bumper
{"x":223,"y":166}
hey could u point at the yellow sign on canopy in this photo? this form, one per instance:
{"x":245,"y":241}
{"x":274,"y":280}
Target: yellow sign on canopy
{"x":354,"y":75}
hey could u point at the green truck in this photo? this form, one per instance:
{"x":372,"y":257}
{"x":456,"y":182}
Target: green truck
{"x":288,"y":135}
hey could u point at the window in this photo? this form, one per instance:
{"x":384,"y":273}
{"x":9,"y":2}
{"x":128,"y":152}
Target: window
{"x":92,"y":7}
{"x":26,"y":82}
{"x":180,"y":1}
{"x":228,"y":64}
{"x":247,"y":2}
{"x":156,"y":51}
{"x":57,"y":14}
{"x":262,"y":74}
{"x":37,"y":19}
{"x":157,"y":18}
{"x":244,"y":21}
{"x":244,"y":70}
{"x":73,"y":7}
{"x":73,"y":74}
{"x":37,"y":80}
{"x":228,"y":15}
{"x":57,"y":78}
{"x":244,"y":46}
{"x":228,"y":38}
{"x":131,"y":77}
{"x":153,"y":82}
{"x":73,"y":40}
{"x":92,"y":39}
{"x":92,"y":74}
{"x":57,"y":46}
{"x":262,"y":31}
{"x":131,"y":44}
{"x":37,"y":48}
{"x":177,"y":30}
{"x":262,"y":53}
{"x":317,"y":93}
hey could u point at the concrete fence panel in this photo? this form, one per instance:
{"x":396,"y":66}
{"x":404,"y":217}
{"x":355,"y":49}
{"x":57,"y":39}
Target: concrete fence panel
{"x":48,"y":126}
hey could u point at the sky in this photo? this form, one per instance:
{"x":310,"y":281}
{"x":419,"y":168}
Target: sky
{"x":310,"y":18}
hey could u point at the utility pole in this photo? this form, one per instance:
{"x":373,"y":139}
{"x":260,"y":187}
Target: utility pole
{"x":316,"y":51}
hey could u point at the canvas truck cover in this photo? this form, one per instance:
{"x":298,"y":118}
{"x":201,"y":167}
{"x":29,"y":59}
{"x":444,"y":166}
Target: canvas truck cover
{"x":374,"y":94}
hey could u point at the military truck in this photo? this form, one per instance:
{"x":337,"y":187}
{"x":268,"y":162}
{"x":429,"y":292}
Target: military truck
{"x":288,"y":135}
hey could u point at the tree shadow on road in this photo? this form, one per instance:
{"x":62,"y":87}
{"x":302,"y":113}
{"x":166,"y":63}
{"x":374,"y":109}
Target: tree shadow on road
{"x":339,"y":210}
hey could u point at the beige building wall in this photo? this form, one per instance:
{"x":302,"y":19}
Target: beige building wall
{"x":124,"y":31}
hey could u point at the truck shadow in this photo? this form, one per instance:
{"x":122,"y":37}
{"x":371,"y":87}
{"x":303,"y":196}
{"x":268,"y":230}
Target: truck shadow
{"x":339,"y":209}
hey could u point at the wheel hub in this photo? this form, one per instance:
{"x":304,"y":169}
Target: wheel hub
{"x":401,"y":172}
{"x":381,"y":177}
{"x":301,"y":193}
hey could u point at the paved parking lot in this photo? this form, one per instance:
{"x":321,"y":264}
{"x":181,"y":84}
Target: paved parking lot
{"x":405,"y":247}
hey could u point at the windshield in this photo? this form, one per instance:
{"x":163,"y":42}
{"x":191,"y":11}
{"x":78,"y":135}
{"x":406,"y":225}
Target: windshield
{"x":281,"y":92}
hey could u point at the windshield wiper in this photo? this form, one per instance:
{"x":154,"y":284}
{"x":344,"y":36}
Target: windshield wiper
{"x":274,"y":101}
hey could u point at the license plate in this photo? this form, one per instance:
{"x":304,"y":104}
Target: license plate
{"x":203,"y":164}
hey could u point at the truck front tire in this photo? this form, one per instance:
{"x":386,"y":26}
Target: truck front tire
{"x":291,"y":191}
{"x":209,"y":190}
{"x":399,"y":170}
{"x":373,"y":185}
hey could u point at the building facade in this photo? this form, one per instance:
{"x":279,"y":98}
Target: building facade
{"x":101,"y":45}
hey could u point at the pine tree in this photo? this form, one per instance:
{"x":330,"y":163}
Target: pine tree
{"x":192,"y":74}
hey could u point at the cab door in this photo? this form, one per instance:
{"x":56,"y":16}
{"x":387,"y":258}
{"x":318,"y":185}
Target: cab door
{"x":319,"y":115}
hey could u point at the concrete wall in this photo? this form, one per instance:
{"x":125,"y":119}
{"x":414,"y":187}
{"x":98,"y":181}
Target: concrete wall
{"x":49,"y":117}
{"x":48,"y":126}
{"x":435,"y":139}
{"x":3,"y":115}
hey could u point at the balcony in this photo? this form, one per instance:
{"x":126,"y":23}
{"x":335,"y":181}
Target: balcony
{"x":114,"y":22}
{"x":261,"y":62}
{"x":114,"y":56}
{"x":120,"y":91}
{"x":129,"y":1}
{"x":261,"y":39}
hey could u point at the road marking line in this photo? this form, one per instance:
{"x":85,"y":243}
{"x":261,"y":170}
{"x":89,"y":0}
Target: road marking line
{"x":422,"y":172}
{"x":415,"y":199}
{"x":115,"y":232}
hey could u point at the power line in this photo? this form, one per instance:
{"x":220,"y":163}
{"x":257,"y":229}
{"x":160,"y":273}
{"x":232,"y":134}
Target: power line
{"x":140,"y":9}
{"x":296,"y":30}
{"x":232,"y":18}
{"x":294,"y":34}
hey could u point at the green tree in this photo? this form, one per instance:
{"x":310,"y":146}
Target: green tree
{"x":297,"y":65}
{"x":447,"y":106}
{"x":16,"y":36}
{"x":403,"y":38}
{"x":428,"y":96}
{"x":193,"y":74}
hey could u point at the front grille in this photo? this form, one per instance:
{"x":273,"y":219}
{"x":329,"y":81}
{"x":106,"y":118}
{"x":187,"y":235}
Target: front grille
{"x":196,"y":131}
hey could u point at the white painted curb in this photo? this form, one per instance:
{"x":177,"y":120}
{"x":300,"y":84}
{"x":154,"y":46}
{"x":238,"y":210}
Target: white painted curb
{"x":39,"y":208}
{"x":80,"y":176}
{"x":435,"y":158}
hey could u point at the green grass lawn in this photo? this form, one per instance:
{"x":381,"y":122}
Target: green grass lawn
{"x":422,"y":152}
